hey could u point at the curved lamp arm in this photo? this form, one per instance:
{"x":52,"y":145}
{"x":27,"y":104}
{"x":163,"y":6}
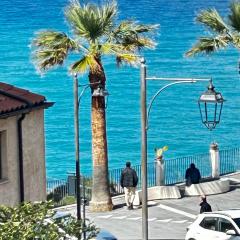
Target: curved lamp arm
{"x":82,"y":92}
{"x":158,"y":92}
{"x":85,"y":87}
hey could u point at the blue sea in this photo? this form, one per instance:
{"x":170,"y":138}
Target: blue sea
{"x":175,"y":119}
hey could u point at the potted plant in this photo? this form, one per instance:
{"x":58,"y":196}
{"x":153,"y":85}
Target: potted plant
{"x":159,"y":165}
{"x":159,"y":153}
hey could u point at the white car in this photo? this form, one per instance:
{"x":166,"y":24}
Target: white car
{"x":221,"y":225}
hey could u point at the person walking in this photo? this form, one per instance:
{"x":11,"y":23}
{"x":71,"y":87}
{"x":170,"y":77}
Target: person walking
{"x":204,"y":205}
{"x":192,"y":175}
{"x":129,"y":181}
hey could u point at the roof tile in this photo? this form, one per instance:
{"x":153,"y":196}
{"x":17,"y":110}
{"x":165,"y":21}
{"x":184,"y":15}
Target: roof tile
{"x":13,"y":98}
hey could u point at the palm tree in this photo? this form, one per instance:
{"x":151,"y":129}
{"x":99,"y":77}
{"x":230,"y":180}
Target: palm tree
{"x":95,"y":33}
{"x":222,"y":33}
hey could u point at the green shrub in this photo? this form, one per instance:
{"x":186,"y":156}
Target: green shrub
{"x":57,"y":194}
{"x":69,"y":200}
{"x":28,"y":222}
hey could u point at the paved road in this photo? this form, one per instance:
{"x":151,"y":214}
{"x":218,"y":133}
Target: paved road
{"x":168,"y":219}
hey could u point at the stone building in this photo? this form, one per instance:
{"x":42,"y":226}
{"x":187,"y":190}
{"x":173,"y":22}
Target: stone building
{"x":22,"y":145}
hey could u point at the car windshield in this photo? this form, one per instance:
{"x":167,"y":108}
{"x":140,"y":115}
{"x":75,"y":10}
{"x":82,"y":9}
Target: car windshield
{"x":237,"y":221}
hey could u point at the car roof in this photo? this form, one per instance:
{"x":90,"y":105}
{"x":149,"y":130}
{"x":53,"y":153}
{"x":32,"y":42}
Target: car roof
{"x":105,"y":235}
{"x":59,"y":215}
{"x":232,"y":213}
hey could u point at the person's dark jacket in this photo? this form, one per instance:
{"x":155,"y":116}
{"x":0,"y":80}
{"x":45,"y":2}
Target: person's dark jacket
{"x":129,"y":178}
{"x":192,"y":176}
{"x":205,"y":207}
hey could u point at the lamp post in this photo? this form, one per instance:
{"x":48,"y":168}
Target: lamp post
{"x":145,"y":125}
{"x":77,"y":153}
{"x":99,"y":91}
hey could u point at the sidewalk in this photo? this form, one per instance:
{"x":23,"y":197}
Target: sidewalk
{"x":168,"y":219}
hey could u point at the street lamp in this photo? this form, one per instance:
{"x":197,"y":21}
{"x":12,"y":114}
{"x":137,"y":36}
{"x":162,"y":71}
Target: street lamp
{"x":97,"y":92}
{"x":100,"y":92}
{"x":210,"y":105}
{"x":145,"y":113}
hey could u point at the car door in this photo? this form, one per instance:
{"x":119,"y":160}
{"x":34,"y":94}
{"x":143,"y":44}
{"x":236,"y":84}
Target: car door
{"x":207,"y":229}
{"x":223,"y":226}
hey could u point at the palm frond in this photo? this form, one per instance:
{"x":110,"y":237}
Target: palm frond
{"x":130,"y":35}
{"x":208,"y":45}
{"x":127,"y":58}
{"x":81,"y":66}
{"x":90,"y":21}
{"x":126,"y":28}
{"x":145,"y":28}
{"x":118,"y":50}
{"x":54,"y":40}
{"x":107,"y":14}
{"x":46,"y":59}
{"x":146,"y":42}
{"x":213,"y":20}
{"x":110,"y":48}
{"x":51,"y":48}
{"x":236,"y":40}
{"x":234,"y":16}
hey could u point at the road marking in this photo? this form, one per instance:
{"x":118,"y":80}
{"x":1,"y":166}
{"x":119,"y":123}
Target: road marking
{"x":164,"y":220}
{"x":151,"y":203}
{"x":121,"y":217}
{"x":180,"y":221}
{"x":105,"y":217}
{"x":152,"y":219}
{"x":149,"y":220}
{"x":136,"y":218}
{"x":177,"y":211}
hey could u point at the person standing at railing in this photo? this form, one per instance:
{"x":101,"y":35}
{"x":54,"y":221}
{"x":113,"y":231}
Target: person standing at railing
{"x":192,"y":175}
{"x":129,"y":181}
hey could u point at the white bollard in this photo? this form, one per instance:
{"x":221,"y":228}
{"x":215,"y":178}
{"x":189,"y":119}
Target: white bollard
{"x":215,"y":160}
{"x":160,"y":172}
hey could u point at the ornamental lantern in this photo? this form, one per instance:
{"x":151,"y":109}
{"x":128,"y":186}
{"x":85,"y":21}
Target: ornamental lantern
{"x":100,"y":92}
{"x":210,"y":105}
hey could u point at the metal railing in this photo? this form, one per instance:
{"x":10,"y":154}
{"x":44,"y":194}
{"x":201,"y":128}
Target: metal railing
{"x":229,"y":160}
{"x":59,"y":189}
{"x":174,"y":173}
{"x":175,"y":168}
{"x":115,"y":175}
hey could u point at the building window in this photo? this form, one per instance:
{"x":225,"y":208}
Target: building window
{"x":3,"y":156}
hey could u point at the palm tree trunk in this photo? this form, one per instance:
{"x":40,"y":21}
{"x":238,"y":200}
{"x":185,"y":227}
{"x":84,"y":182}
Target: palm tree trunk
{"x":101,"y":200}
